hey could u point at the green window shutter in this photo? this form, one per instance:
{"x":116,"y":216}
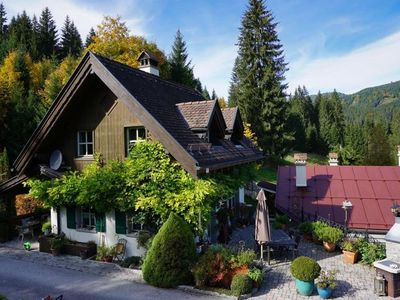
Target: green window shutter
{"x":71,"y":217}
{"x":100,"y":222}
{"x":120,"y":222}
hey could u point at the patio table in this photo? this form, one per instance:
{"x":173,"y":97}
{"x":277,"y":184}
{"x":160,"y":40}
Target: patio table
{"x":280,"y":238}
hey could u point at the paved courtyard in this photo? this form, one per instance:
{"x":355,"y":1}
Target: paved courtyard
{"x":354,"y":281}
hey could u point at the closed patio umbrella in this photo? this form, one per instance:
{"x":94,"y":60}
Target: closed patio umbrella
{"x":262,"y":226}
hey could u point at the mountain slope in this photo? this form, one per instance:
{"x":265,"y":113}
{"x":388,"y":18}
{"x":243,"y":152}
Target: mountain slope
{"x":379,"y":102}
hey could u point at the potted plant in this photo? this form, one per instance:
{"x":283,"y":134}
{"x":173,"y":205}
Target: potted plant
{"x":330,"y":236}
{"x":56,"y":246}
{"x":306,"y":228}
{"x":305,"y":270}
{"x":326,"y":283}
{"x":317,"y":229}
{"x":350,"y":252}
{"x":46,"y":228}
{"x":105,"y":253}
{"x":256,"y":275}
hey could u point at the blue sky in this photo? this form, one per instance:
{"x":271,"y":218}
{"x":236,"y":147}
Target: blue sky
{"x":347,"y":45}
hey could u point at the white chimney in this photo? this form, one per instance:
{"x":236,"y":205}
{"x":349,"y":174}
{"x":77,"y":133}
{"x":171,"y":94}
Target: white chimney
{"x":300,"y":160}
{"x":148,"y":62}
{"x":333,"y":159}
{"x":398,"y":154}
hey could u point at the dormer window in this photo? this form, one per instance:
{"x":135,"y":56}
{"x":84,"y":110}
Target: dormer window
{"x":133,"y":135}
{"x":85,"y":143}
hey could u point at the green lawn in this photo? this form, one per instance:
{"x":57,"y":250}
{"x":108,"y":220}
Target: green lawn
{"x":269,"y":172}
{"x":312,"y":159}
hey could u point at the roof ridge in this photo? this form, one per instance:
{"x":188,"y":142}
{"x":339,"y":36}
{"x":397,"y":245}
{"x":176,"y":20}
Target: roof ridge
{"x":145,"y":74}
{"x":193,"y":102}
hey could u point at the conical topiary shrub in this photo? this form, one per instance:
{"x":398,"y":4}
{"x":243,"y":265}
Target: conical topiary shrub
{"x":171,"y":255}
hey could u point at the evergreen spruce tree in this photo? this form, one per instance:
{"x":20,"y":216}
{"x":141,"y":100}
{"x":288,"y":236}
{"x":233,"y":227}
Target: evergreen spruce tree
{"x":198,"y":86}
{"x":260,"y":79}
{"x":355,"y":150}
{"x":3,"y":32}
{"x":20,"y":33}
{"x":214,"y":95}
{"x":47,"y":34}
{"x":71,"y":43}
{"x":89,"y":37}
{"x":206,"y":94}
{"x":379,"y":152}
{"x":35,"y":54}
{"x":331,"y":121}
{"x":180,"y":69}
{"x":3,"y":20}
{"x":232,"y":97}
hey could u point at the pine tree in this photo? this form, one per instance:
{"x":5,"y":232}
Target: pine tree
{"x":260,"y":79}
{"x":180,"y":69}
{"x":35,"y":39}
{"x":233,"y":92}
{"x":47,"y":34}
{"x":356,"y":143}
{"x":3,"y":32}
{"x":89,"y":37}
{"x":214,"y":95}
{"x":20,"y":33}
{"x":3,"y":20}
{"x":379,"y":152}
{"x":206,"y":94}
{"x":71,"y":43}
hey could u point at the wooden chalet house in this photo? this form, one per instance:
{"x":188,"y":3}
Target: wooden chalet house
{"x":106,"y":107}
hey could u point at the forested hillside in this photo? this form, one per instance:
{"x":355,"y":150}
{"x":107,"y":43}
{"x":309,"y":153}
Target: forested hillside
{"x":377,"y":103}
{"x":364,"y":127}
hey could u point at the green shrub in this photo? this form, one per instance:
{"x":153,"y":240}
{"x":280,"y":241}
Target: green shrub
{"x":283,"y":219}
{"x":305,"y":268}
{"x":57,"y":244}
{"x":256,"y":275}
{"x":171,"y":255}
{"x":46,"y":226}
{"x":370,"y":251}
{"x":243,"y":258}
{"x":143,"y":237}
{"x":306,"y":228}
{"x":318,"y":228}
{"x":349,"y":245}
{"x":241,"y":284}
{"x":132,"y":261}
{"x":330,"y":234}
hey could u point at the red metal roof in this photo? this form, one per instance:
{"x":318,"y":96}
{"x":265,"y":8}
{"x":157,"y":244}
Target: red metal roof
{"x":371,"y":190}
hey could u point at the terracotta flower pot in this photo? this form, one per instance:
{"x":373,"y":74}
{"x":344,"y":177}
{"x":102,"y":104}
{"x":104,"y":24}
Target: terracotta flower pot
{"x":350,"y":257}
{"x":329,"y":247}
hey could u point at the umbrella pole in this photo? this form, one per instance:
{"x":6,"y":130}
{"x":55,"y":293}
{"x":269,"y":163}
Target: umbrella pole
{"x":268,"y":255}
{"x":262,"y":253}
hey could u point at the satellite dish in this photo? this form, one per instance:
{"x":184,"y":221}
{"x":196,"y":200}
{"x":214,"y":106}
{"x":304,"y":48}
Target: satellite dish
{"x":55,"y":160}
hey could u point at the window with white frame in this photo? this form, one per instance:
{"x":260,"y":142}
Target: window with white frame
{"x":86,"y":219}
{"x":85,"y":143}
{"x":133,"y":135}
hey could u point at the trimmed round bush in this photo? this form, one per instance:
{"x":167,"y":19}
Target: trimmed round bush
{"x":241,"y":284}
{"x":171,"y":255}
{"x":305,"y":268}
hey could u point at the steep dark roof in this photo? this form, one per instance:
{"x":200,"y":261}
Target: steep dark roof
{"x":156,"y":103}
{"x":197,"y":114}
{"x":371,"y":190}
{"x":12,"y":182}
{"x":229,"y":114}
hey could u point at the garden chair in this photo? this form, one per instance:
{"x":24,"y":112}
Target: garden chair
{"x":120,"y":249}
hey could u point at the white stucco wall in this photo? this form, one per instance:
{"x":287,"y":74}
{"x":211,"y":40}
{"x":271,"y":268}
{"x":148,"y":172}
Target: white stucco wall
{"x":108,"y":238}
